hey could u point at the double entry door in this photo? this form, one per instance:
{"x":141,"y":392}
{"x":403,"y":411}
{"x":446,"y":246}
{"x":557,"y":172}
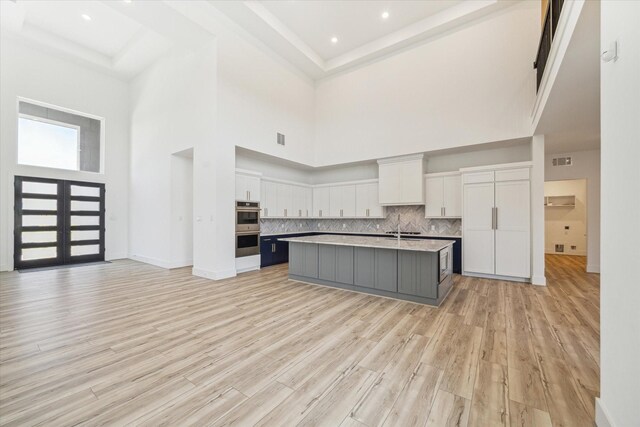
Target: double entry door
{"x":57,"y":222}
{"x":497,"y":228}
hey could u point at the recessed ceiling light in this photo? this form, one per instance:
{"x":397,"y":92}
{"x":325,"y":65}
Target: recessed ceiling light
{"x":334,"y":40}
{"x":86,"y":17}
{"x":385,"y":15}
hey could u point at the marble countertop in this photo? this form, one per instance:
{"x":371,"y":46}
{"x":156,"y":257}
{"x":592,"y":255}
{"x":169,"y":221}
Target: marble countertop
{"x":405,"y":244}
{"x":358,"y":233}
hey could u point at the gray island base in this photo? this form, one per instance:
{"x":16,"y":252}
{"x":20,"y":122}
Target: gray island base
{"x":411,"y":270}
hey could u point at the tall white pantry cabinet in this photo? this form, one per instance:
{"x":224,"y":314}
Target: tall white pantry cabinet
{"x":497,"y":222}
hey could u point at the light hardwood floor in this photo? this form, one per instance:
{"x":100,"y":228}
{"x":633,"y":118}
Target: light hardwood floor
{"x":128,"y":343}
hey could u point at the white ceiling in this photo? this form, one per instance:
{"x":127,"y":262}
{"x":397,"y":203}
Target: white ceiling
{"x":571,"y":117}
{"x":301,"y":31}
{"x":107,"y":33}
{"x":354,"y":23}
{"x":124,"y":37}
{"x":121,"y":38}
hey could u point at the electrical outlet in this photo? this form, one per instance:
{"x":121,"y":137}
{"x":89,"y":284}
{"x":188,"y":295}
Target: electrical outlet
{"x":433,"y":228}
{"x":377,"y":226}
{"x":344,"y":226}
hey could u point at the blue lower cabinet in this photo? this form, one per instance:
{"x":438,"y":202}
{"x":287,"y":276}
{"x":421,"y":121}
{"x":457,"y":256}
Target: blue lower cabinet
{"x":266,"y":251}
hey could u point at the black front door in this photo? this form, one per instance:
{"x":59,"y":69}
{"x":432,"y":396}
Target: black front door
{"x":57,"y":222}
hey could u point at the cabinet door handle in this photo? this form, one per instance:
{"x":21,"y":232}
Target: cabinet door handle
{"x":299,"y":212}
{"x":341,"y":212}
{"x":367,"y":211}
{"x":493,"y":218}
{"x":320,"y":213}
{"x":444,"y":211}
{"x":496,"y":210}
{"x":273,"y":247}
{"x":285,"y":211}
{"x":248,"y":195}
{"x":266,"y":211}
{"x":307,"y":213}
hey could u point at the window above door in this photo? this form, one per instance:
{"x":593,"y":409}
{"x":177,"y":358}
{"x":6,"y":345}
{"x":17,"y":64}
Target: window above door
{"x":52,"y":138}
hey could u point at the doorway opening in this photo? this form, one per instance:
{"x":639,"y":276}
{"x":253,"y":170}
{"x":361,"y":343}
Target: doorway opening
{"x":566,"y":217}
{"x":182,"y":208}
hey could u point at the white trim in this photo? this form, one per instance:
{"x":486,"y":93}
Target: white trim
{"x":437,"y":174}
{"x":153,"y":261}
{"x":501,"y":166}
{"x":593,"y":268}
{"x":566,"y":25}
{"x":496,"y":277}
{"x":247,"y":263}
{"x":248,"y":172}
{"x":214,"y":275}
{"x":102,"y":120}
{"x":603,"y":419}
{"x":400,"y":159}
{"x":539,"y":280}
{"x":338,"y":184}
{"x":284,"y":181}
{"x":5,"y":267}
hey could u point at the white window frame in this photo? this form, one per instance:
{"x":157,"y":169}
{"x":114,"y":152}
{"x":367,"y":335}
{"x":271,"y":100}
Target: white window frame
{"x":102,"y":121}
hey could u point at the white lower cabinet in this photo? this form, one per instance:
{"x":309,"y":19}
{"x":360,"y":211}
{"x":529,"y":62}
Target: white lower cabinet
{"x":497,"y":224}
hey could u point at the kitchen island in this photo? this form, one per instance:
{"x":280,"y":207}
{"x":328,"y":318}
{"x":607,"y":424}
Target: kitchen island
{"x":415,"y":270}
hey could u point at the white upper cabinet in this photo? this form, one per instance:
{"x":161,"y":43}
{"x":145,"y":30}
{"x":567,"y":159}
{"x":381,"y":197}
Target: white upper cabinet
{"x":443,"y":196}
{"x":247,"y":187}
{"x":269,"y":199}
{"x":342,"y":201}
{"x":401,"y":181}
{"x":321,"y":202}
{"x":284,"y":203}
{"x":367,"y":204}
{"x":301,"y":202}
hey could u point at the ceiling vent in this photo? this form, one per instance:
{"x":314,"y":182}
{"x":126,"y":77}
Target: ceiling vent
{"x":561,"y":161}
{"x":280,"y":139}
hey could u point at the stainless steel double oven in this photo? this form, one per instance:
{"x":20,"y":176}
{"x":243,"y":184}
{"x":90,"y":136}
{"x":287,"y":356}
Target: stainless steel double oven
{"x":247,"y":229}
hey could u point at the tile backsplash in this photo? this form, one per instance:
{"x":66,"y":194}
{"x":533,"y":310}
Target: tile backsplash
{"x":411,"y":219}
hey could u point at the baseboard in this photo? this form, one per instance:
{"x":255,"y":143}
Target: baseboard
{"x":593,"y":268}
{"x":153,"y":261}
{"x":495,"y":277}
{"x":539,"y":280}
{"x":602,"y":416}
{"x":113,"y":257}
{"x":5,"y":267}
{"x":575,"y":253}
{"x":213,"y":275}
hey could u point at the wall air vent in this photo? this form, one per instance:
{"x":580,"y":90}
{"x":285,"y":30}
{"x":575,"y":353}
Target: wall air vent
{"x":559,"y":248}
{"x":561,"y":161}
{"x":280,"y":139}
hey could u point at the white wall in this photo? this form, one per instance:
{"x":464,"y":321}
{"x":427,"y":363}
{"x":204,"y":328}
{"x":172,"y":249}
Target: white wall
{"x":479,"y":156}
{"x":30,"y":73}
{"x":586,"y":164}
{"x":174,"y":108}
{"x":557,"y":218}
{"x":259,"y":97}
{"x":470,"y":86}
{"x":620,"y":279}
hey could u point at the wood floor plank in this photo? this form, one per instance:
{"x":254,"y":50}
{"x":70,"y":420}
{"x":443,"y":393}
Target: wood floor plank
{"x":129,"y":343}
